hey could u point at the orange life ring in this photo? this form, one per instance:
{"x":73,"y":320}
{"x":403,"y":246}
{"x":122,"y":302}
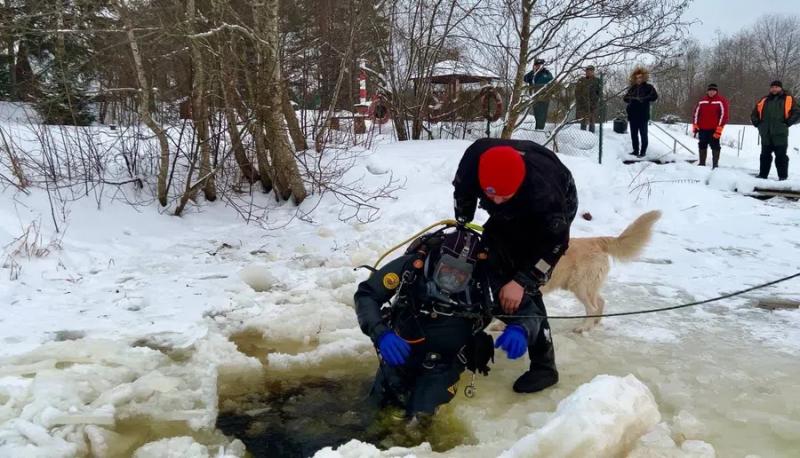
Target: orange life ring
{"x":488,"y":95}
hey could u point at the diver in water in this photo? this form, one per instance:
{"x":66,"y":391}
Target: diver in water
{"x":425,"y":312}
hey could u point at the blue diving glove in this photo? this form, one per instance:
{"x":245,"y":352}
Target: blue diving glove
{"x":514,"y":340}
{"x":394,"y":350}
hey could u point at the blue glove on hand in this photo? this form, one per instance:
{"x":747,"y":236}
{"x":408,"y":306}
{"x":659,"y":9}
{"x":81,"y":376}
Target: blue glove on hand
{"x":514,"y":341}
{"x":394,"y":350}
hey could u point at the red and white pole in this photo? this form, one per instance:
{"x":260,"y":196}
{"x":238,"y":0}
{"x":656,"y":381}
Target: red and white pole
{"x":362,"y":107}
{"x":362,"y":83}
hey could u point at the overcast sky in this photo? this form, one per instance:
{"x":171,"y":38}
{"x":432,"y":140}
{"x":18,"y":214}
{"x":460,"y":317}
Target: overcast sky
{"x":729,"y":16}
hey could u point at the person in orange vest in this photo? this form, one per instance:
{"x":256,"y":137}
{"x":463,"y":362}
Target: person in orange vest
{"x":773,"y":115}
{"x":710,"y":117}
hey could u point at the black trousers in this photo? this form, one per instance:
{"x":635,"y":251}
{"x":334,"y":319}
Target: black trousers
{"x":540,"y":113}
{"x":416,"y":387}
{"x":429,"y":375}
{"x":505,"y":251}
{"x":781,"y":160}
{"x":639,"y":128}
{"x":588,"y":117}
{"x":540,"y":342}
{"x":706,"y":138}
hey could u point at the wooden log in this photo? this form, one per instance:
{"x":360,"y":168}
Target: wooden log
{"x":765,"y":194}
{"x":655,"y":161}
{"x":777,"y":304}
{"x":779,"y":192}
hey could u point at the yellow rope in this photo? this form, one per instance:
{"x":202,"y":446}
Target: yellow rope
{"x":444,"y":222}
{"x":475,"y":227}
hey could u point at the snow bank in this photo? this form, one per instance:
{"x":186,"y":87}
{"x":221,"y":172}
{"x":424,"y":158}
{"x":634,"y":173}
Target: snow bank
{"x":658,"y":443}
{"x":258,"y":277}
{"x":186,"y":447}
{"x":16,"y":112}
{"x":606,"y":417}
{"x":180,"y":286}
{"x":602,"y":418}
{"x":65,"y":398}
{"x":352,"y":449}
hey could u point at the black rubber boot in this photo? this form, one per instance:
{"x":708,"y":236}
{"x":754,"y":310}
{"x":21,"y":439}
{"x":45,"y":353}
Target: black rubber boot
{"x":715,"y":158}
{"x":703,"y":156}
{"x":542,"y":373}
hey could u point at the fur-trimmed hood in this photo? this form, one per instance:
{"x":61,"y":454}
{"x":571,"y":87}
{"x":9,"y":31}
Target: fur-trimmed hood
{"x":639,"y":71}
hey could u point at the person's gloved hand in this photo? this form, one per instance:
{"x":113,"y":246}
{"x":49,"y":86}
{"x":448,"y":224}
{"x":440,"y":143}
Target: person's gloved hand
{"x":394,"y":350}
{"x":718,"y":133}
{"x":479,"y":352}
{"x":695,"y":129}
{"x":514,"y":341}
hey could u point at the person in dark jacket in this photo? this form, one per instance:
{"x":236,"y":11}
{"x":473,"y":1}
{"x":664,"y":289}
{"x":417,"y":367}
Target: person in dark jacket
{"x":440,"y":303}
{"x":638,"y":97}
{"x":531,"y":200}
{"x":710,"y":118}
{"x":587,"y":99}
{"x":773,"y":115}
{"x":537,"y":79}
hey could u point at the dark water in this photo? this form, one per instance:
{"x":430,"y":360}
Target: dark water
{"x":297,"y":418}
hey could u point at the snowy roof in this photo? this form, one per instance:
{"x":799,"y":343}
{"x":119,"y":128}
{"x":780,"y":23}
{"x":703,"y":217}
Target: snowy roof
{"x":448,"y":70}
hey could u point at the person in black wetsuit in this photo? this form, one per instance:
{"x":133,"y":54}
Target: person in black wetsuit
{"x":425,"y":313}
{"x":531,"y":200}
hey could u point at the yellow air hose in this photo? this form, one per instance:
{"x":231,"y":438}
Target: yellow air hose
{"x":444,"y":222}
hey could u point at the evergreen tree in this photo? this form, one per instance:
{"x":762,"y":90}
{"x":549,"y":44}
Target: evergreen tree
{"x":62,"y":97}
{"x":5,"y":77}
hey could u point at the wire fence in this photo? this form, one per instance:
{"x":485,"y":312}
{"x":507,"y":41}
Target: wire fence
{"x":570,"y":126}
{"x":561,"y":125}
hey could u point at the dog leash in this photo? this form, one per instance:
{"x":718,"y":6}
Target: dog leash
{"x":662,"y":309}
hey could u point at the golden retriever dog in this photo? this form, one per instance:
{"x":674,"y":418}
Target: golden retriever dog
{"x":584,"y":267}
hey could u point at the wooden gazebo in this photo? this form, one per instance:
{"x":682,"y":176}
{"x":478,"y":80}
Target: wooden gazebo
{"x":450,"y":100}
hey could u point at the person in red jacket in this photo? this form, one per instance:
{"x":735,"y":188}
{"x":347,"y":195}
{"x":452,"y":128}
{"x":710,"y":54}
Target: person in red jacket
{"x":710,"y":117}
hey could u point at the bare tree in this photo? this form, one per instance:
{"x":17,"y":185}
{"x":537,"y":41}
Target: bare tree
{"x":298,"y":138}
{"x":573,"y":32}
{"x":778,"y":42}
{"x":742,"y":64}
{"x":200,"y":104}
{"x":144,"y":105}
{"x":288,"y":181}
{"x":420,"y":32}
{"x":228,"y":88}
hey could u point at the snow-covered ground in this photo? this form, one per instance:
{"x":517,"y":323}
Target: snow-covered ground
{"x":132,"y":314}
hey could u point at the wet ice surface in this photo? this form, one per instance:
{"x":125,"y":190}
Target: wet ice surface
{"x":724,"y":374}
{"x":713,"y":375}
{"x":296,"y":418}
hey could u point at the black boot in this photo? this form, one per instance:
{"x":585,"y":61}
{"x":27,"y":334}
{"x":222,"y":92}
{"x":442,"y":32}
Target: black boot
{"x":542,"y":373}
{"x":715,"y":158}
{"x":703,"y":156}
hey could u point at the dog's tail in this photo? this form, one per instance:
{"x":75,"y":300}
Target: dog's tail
{"x":630,"y":243}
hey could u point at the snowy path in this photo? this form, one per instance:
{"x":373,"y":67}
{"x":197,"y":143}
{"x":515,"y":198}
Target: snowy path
{"x":724,"y":374}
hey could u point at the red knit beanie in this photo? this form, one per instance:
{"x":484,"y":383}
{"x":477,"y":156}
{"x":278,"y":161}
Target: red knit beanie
{"x":501,"y":170}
